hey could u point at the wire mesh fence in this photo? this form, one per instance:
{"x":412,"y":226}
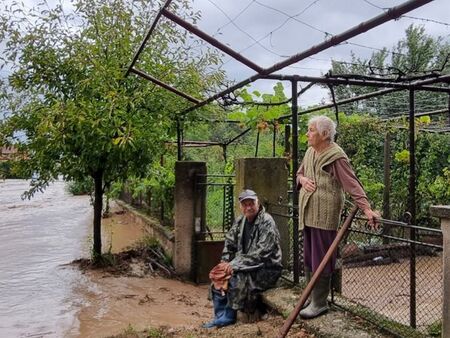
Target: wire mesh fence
{"x":391,"y":280}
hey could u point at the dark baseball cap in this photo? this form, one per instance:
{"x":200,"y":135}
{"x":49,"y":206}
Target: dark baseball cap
{"x":247,"y":194}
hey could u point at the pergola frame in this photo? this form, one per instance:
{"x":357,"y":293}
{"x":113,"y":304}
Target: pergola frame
{"x":268,"y":73}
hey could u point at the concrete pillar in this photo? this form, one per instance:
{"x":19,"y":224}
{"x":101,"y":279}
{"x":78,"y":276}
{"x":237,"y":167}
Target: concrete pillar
{"x":189,"y":209}
{"x":268,"y":177}
{"x":443,"y":212}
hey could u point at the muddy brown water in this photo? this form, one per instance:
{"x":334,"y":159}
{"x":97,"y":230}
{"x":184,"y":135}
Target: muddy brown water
{"x":37,"y":237}
{"x":41,"y":295}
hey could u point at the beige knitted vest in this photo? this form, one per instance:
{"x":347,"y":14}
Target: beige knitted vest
{"x":321,"y":208}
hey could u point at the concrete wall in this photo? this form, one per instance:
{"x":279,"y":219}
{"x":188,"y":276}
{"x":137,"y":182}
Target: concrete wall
{"x":268,"y":177}
{"x":152,"y":227}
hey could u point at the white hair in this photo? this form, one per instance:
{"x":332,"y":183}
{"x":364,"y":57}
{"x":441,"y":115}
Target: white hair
{"x":324,"y":125}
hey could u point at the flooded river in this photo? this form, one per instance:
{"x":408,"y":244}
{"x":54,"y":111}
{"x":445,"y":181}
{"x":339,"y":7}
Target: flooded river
{"x":37,"y":238}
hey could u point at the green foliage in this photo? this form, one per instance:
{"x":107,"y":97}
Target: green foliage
{"x":7,"y":170}
{"x":73,"y":111}
{"x":81,"y":187}
{"x":155,"y":333}
{"x":435,"y":329}
{"x":440,"y":187}
{"x":254,"y":115}
{"x":155,"y":191}
{"x":402,"y":157}
{"x":362,"y":138}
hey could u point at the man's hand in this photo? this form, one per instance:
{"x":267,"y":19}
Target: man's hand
{"x":226,"y":267}
{"x":372,"y":217}
{"x":306,"y":183}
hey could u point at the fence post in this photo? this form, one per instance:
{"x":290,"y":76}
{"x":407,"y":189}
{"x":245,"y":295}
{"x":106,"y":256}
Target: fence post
{"x":443,"y":212}
{"x":189,"y":216}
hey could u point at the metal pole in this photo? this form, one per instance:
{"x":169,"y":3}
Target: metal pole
{"x":287,"y":142}
{"x":387,"y":183}
{"x":307,"y":291}
{"x":412,"y":207}
{"x":224,"y":48}
{"x":448,"y":120}
{"x":295,"y":234}
{"x":391,"y":14}
{"x":274,"y":139}
{"x":179,"y":142}
{"x":257,"y":144}
{"x":417,"y":85}
{"x":147,"y":36}
{"x":164,"y":85}
{"x":387,"y":176}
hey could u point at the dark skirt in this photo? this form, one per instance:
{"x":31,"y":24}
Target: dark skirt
{"x":316,"y":243}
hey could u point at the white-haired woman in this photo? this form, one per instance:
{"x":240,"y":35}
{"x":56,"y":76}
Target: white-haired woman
{"x":323,"y":177}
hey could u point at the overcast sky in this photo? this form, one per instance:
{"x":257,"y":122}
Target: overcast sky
{"x":267,"y":32}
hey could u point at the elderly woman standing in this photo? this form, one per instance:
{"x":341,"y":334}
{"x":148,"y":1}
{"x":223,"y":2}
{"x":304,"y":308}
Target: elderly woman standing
{"x":323,"y":177}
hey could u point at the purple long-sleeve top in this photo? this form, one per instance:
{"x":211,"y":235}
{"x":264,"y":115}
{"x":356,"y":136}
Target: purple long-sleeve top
{"x":344,"y":174}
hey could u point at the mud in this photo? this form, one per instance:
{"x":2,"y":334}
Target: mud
{"x":135,"y":301}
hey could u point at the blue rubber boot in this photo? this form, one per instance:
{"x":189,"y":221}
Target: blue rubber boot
{"x":219,"y":304}
{"x":228,"y":317}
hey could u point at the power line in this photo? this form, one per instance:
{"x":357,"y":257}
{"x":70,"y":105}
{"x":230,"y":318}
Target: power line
{"x":234,"y":18}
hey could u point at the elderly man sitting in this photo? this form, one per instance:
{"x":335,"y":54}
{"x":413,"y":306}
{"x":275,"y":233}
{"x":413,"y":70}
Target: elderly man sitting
{"x":250,"y":264}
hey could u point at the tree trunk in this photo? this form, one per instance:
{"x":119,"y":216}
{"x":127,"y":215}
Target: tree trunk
{"x":98,"y":205}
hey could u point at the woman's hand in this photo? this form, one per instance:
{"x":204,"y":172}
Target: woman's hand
{"x":306,"y":183}
{"x":372,"y":217}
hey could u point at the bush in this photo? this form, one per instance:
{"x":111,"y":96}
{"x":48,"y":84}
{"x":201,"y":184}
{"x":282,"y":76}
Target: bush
{"x":81,"y":187}
{"x":7,"y":171}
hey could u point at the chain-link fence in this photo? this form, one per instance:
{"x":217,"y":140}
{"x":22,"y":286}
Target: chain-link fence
{"x":392,"y":277}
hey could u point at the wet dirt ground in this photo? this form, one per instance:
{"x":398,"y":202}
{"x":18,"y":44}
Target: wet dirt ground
{"x":118,"y":305}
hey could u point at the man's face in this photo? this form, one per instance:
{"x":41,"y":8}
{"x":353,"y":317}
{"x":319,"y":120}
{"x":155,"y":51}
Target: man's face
{"x":249,"y":208}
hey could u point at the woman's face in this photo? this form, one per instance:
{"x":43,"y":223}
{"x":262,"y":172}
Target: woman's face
{"x":314,"y":137}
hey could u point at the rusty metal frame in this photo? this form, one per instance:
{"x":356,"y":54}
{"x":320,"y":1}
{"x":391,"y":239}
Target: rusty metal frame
{"x":391,"y":14}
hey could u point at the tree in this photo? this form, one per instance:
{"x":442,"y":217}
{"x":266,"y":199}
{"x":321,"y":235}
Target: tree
{"x":73,"y":111}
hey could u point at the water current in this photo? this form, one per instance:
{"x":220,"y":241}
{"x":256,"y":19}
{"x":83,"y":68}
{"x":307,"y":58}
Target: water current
{"x":38,"y":237}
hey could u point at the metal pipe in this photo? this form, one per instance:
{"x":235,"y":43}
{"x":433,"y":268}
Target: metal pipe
{"x":307,"y":291}
{"x":236,"y":137}
{"x":295,"y":232}
{"x":391,"y":14}
{"x":191,"y":28}
{"x":164,"y":85}
{"x":448,"y":119}
{"x":412,"y":207}
{"x":274,"y":139}
{"x":179,"y":142}
{"x":349,"y":100}
{"x":257,"y":144}
{"x":147,"y":36}
{"x":418,"y":85}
